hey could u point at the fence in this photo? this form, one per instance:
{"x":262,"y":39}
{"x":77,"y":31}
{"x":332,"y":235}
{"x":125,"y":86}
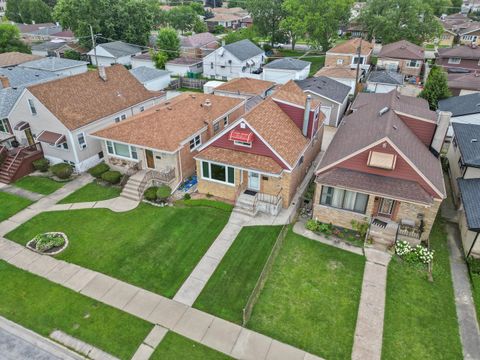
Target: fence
{"x":187,"y":83}
{"x":267,"y":268}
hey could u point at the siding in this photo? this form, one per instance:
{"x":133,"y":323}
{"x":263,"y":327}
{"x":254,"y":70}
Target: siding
{"x":296,"y":114}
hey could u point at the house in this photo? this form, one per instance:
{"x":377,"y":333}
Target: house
{"x":229,"y":18}
{"x":198,"y":45}
{"x":38,"y":32}
{"x":464,"y":109}
{"x":283,"y":70}
{"x":346,"y":54}
{"x":384,"y":81}
{"x":183,"y":66}
{"x":234,"y":60}
{"x":463,"y":83}
{"x":333,"y":96}
{"x":343,"y":74}
{"x":15,"y":58}
{"x":260,"y":160}
{"x":116,"y":52}
{"x":165,"y":138}
{"x":252,"y":90}
{"x":379,"y":169}
{"x":459,"y":57}
{"x":58,"y":66}
{"x":61,"y":114}
{"x":459,"y":28}
{"x":144,"y":59}
{"x":66,"y":35}
{"x":54,"y":48}
{"x":152,"y":79}
{"x":402,"y":56}
{"x":356,"y":30}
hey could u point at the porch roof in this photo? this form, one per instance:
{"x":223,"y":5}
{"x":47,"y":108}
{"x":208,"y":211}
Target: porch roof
{"x":240,"y":159}
{"x":375,"y":184}
{"x":51,"y":138}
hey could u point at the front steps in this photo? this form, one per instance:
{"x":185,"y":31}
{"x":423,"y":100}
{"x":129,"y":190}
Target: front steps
{"x":8,"y":168}
{"x":246,"y":205}
{"x":131,"y":189}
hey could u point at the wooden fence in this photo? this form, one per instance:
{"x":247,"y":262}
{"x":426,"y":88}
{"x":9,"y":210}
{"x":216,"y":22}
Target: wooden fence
{"x":187,"y":83}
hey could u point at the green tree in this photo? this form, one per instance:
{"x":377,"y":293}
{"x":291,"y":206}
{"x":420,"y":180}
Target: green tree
{"x":439,"y":7}
{"x":436,"y":87}
{"x":12,"y":11}
{"x":168,"y":42}
{"x":393,"y":20}
{"x":198,"y":8}
{"x":241,"y":34}
{"x":182,"y":18}
{"x":199,"y":26}
{"x":236,"y":3}
{"x":291,"y":24}
{"x":267,"y":15}
{"x":28,"y":11}
{"x":159,"y":59}
{"x":71,"y":54}
{"x":10,"y":39}
{"x":456,"y":6}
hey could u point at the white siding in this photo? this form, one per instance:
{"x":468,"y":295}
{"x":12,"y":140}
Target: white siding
{"x":283,"y":76}
{"x":380,"y":88}
{"x":142,"y":62}
{"x":182,"y":70}
{"x":227,"y":66}
{"x":158,"y":84}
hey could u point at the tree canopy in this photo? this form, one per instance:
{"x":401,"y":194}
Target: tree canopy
{"x":182,"y":18}
{"x":168,"y":42}
{"x":267,"y":15}
{"x":28,"y":11}
{"x":10,"y":39}
{"x":241,"y":34}
{"x":436,"y":87}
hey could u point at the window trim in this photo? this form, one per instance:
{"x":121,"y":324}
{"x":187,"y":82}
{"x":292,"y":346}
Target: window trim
{"x":242,"y":143}
{"x":4,"y":123}
{"x":31,"y":105}
{"x":209,"y":178}
{"x":343,"y":200}
{"x":195,"y":145}
{"x":113,"y":153}
{"x":450,"y":60}
{"x":84,"y":146}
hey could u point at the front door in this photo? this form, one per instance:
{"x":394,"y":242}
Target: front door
{"x":254,"y":181}
{"x":150,"y":159}
{"x":28,"y":134}
{"x":386,"y":207}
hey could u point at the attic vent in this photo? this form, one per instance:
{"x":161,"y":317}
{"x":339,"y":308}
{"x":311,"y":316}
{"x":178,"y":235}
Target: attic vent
{"x":395,"y":127}
{"x":169,"y":107}
{"x":474,"y":140}
{"x":192,"y":96}
{"x":383,"y":111}
{"x":207,"y":103}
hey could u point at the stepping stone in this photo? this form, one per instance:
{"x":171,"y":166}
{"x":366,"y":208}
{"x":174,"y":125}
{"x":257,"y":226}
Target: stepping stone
{"x":222,"y":335}
{"x":194,"y":324}
{"x":251,"y":345}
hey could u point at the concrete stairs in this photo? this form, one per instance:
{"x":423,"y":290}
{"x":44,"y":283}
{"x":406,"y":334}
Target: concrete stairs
{"x":245,"y":205}
{"x":11,"y":162}
{"x":383,"y":237}
{"x":131,"y":189}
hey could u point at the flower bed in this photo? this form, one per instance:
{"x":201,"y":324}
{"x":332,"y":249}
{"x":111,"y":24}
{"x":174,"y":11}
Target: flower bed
{"x":50,"y":243}
{"x":340,"y":233}
{"x":415,"y":255}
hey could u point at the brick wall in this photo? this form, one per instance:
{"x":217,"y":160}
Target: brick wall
{"x":410,"y":211}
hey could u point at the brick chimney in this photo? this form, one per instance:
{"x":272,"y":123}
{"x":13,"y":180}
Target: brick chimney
{"x":5,"y":81}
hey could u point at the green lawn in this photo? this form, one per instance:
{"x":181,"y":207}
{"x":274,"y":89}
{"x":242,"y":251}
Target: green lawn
{"x":39,"y":184}
{"x":151,"y":247}
{"x":420,"y":318}
{"x":11,"y":204}
{"x":92,"y":192}
{"x":476,"y":293}
{"x":175,"y":347}
{"x":43,"y":306}
{"x":228,"y":290}
{"x":318,"y":61}
{"x":311,"y":298}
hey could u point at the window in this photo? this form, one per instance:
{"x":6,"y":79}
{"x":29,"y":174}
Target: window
{"x":413,"y":63}
{"x":357,"y":60}
{"x":445,"y":37}
{"x":225,"y":121}
{"x":81,"y":141}
{"x":242,"y":143}
{"x":339,"y":61}
{"x":344,"y":199}
{"x":4,"y":126}
{"x":216,"y":127}
{"x":195,"y":142}
{"x":63,"y":145}
{"x":381,"y":160}
{"x":142,"y":108}
{"x":33,"y":110}
{"x":224,"y":78}
{"x":122,"y":150}
{"x":211,"y":65}
{"x":454,"y":60}
{"x":217,"y":172}
{"x":120,"y":118}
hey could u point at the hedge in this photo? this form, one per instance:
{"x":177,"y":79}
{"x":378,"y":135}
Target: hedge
{"x":98,"y":170}
{"x":61,"y":170}
{"x":113,"y":177}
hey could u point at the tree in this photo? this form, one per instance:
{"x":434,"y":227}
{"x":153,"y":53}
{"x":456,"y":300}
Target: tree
{"x":439,"y":7}
{"x":10,"y":39}
{"x":291,"y":25}
{"x":236,"y":3}
{"x":28,"y":11}
{"x":159,"y":59}
{"x":199,"y":26}
{"x":168,"y":43}
{"x":436,"y":87}
{"x":267,"y":15}
{"x":393,"y":20}
{"x":456,"y":6}
{"x":198,"y":8}
{"x":182,"y":18}
{"x":241,"y":34}
{"x":71,"y":54}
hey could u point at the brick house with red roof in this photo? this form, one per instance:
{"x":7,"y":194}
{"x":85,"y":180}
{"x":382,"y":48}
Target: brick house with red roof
{"x":382,"y":167}
{"x":260,"y":160}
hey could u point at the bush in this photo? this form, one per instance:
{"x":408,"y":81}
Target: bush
{"x":474,"y":265}
{"x":98,"y":170}
{"x":186,"y":197}
{"x":163,"y":192}
{"x":61,"y":170}
{"x":267,"y":47}
{"x":41,"y":165}
{"x":151,"y":193}
{"x":413,"y":255}
{"x":112,"y":177}
{"x":45,"y":242}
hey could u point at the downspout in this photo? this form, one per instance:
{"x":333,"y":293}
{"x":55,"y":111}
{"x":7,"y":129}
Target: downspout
{"x":473,"y":244}
{"x":306,"y":115}
{"x":74,"y":148}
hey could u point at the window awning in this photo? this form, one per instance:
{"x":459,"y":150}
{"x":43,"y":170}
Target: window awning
{"x":22,"y":125}
{"x":239,"y":135}
{"x":51,"y":138}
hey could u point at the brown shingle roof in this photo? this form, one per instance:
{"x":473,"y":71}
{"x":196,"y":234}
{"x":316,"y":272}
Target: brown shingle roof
{"x":468,"y":81}
{"x":402,"y":50}
{"x":14,"y":58}
{"x":342,"y":72}
{"x":165,"y":126}
{"x":246,"y":86}
{"x":351,"y":46}
{"x":292,"y":93}
{"x":463,"y":51}
{"x":81,"y":99}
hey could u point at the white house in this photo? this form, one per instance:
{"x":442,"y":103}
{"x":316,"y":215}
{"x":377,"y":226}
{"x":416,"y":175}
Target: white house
{"x":143,"y":59}
{"x":152,"y":79}
{"x":283,"y":70}
{"x":116,"y":52}
{"x":183,"y":65}
{"x":58,"y":66}
{"x":234,"y":60}
{"x":464,"y":109}
{"x":384,"y":81}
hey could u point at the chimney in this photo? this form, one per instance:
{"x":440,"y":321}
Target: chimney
{"x":5,"y":81}
{"x":102,"y":73}
{"x":443,"y":122}
{"x":306,"y":115}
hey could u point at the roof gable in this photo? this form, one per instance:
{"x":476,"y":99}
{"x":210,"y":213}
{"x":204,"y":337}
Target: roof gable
{"x":325,"y":87}
{"x":402,"y":49}
{"x":243,"y":49}
{"x":287,"y":64}
{"x":351,"y":47}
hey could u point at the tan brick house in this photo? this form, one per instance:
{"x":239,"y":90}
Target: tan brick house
{"x":347,"y":53}
{"x":402,"y":56}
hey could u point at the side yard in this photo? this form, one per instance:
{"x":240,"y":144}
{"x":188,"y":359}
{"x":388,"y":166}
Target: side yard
{"x":11,"y":204}
{"x":39,"y":184}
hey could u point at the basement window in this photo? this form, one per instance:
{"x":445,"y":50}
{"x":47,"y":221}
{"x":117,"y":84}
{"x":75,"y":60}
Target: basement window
{"x":381,"y":160}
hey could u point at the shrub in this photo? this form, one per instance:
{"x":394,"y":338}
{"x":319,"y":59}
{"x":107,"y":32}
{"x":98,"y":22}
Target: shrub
{"x":186,"y":197}
{"x":151,"y":193}
{"x":98,"y":170}
{"x":417,"y":254}
{"x":163,"y":192}
{"x":112,"y":177}
{"x":41,"y":165}
{"x":45,"y":242}
{"x":312,"y":225}
{"x":361,"y":227}
{"x":474,"y":265}
{"x":61,"y":170}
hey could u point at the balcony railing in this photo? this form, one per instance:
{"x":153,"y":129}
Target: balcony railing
{"x":409,"y":231}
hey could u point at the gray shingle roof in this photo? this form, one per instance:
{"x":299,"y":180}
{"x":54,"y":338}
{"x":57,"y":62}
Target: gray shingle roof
{"x":385,"y":77}
{"x":53,"y":64}
{"x":144,"y":73}
{"x":19,"y":76}
{"x":461,"y":105}
{"x":470,"y":193}
{"x":288,"y":64}
{"x":326,"y":87}
{"x":243,"y":49}
{"x":48,"y":45}
{"x":468,"y":140}
{"x":8,"y":97}
{"x":119,"y":48}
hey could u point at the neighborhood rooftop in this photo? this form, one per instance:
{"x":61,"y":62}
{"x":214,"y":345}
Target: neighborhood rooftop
{"x":53,"y":64}
{"x":287,"y":64}
{"x":246,"y":86}
{"x":198,"y":40}
{"x":14,"y":58}
{"x":340,"y":72}
{"x":467,"y":137}
{"x":351,"y":47}
{"x":386,"y":77}
{"x":402,"y":50}
{"x":144,"y":73}
{"x":462,"y":51}
{"x":470,"y":193}
{"x":461,"y":105}
{"x":19,"y":76}
{"x":119,"y":48}
{"x":243,"y":49}
{"x":326,"y":87}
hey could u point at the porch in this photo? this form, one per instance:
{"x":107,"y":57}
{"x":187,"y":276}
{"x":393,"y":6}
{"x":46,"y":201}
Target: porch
{"x":16,"y":161}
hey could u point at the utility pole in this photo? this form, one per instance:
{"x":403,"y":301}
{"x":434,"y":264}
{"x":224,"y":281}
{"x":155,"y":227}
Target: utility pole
{"x":94,"y":45}
{"x":359,"y":54}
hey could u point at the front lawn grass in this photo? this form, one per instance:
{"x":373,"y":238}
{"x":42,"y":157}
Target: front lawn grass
{"x":420,"y":316}
{"x":175,"y":347}
{"x":43,"y":306}
{"x":311,"y":298}
{"x":318,"y":61}
{"x":228,"y":290}
{"x":151,"y":247}
{"x":92,"y":192}
{"x":11,"y":204}
{"x":476,"y":293}
{"x":39,"y":184}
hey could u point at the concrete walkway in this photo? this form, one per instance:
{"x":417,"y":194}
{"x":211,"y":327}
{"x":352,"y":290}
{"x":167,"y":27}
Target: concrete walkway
{"x":466,"y":314}
{"x":30,"y":195}
{"x":118,"y":204}
{"x":368,"y":338}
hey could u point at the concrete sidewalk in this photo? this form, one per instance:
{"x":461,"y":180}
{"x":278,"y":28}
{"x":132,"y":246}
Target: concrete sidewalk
{"x":22,"y":192}
{"x":118,"y":204}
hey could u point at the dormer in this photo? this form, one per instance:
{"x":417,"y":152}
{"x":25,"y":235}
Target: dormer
{"x":381,"y":160}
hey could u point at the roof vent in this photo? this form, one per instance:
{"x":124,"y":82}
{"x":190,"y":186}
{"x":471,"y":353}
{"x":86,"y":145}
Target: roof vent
{"x":207,"y":103}
{"x":169,"y":107}
{"x":395,"y":127}
{"x":383,"y":110}
{"x":474,"y":140}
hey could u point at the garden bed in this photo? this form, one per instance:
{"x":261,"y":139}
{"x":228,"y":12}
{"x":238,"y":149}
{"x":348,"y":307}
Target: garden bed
{"x":50,"y":243}
{"x":338,"y":233}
